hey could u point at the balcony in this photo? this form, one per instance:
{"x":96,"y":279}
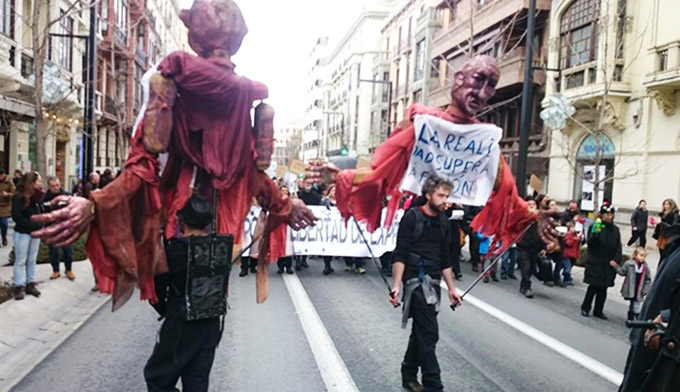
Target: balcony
{"x":584,"y":82}
{"x":665,"y":80}
{"x":486,"y":17}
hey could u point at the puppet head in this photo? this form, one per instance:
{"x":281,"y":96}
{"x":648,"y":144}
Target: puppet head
{"x":214,"y":25}
{"x":475,"y":84}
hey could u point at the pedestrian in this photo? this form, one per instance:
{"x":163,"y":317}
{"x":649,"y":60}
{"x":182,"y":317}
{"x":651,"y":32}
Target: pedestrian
{"x":285,"y":262}
{"x":638,"y":224}
{"x":7,"y":189}
{"x":529,"y":247}
{"x":572,"y":251}
{"x":249,"y":263}
{"x":106,"y":178}
{"x":636,"y":284}
{"x":78,"y":189}
{"x":555,"y":256}
{"x":604,"y":246}
{"x":54,"y":189}
{"x":26,"y":203}
{"x":470,"y":213}
{"x":508,"y":262}
{"x":570,"y":213}
{"x":91,"y":185}
{"x":666,"y":232}
{"x":422,"y":257}
{"x":484,"y":245}
{"x":18,"y":176}
{"x":184,"y":349}
{"x":329,"y":201}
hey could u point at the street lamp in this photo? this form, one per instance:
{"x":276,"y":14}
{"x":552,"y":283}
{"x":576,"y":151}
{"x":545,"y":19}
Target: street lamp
{"x":389,"y":98}
{"x":90,"y":72}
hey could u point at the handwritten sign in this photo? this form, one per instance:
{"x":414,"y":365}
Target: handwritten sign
{"x":465,"y":154}
{"x":297,"y":167}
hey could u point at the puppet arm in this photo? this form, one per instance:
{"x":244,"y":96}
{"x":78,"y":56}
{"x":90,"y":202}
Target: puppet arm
{"x":157,"y":124}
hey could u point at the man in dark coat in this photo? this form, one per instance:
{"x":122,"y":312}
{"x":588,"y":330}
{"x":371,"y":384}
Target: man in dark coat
{"x":604,"y":245}
{"x":664,"y":376}
{"x":54,"y":189}
{"x":638,"y":224}
{"x":660,"y":299}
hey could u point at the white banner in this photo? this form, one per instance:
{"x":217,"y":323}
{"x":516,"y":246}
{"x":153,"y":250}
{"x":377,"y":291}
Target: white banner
{"x":330,"y":236}
{"x":465,"y":154}
{"x":588,"y":187}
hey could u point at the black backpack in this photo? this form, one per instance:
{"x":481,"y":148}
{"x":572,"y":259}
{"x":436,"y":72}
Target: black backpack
{"x":421,"y":221}
{"x":208,"y":266}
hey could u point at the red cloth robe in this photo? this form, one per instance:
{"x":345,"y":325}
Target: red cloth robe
{"x":211,"y":130}
{"x":504,"y":216}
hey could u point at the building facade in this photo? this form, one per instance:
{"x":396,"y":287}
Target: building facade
{"x":348,"y":95}
{"x":63,"y":91}
{"x":496,"y":28}
{"x":133,"y":35}
{"x":313,"y":120}
{"x":619,"y":63}
{"x":288,"y":144}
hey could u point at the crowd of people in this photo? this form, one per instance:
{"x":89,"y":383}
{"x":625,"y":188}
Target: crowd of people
{"x":24,"y":196}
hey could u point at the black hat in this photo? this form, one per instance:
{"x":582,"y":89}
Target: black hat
{"x":196,"y":213}
{"x":606,"y":207}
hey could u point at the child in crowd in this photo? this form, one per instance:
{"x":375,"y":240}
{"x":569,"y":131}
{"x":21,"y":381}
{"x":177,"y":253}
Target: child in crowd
{"x":638,"y":280}
{"x":484,"y":245}
{"x":572,"y":251}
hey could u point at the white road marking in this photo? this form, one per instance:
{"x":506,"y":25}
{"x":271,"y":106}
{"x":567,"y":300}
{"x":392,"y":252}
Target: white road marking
{"x":331,"y":366}
{"x":568,"y":352}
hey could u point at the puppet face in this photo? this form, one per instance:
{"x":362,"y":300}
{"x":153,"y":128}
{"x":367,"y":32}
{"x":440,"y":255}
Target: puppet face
{"x":213,"y":25}
{"x":475,"y":84}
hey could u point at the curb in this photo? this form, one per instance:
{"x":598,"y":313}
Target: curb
{"x":49,"y":337}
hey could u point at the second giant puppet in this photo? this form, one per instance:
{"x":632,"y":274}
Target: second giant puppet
{"x":401,"y":163}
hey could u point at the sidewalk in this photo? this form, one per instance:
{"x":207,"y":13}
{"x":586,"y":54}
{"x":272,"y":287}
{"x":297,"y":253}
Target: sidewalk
{"x":32,"y":328}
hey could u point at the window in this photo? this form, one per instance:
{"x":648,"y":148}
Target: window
{"x":434,"y":70}
{"x":139,"y":90}
{"x":121,"y":13}
{"x":65,"y":44}
{"x":419,"y":70}
{"x":663,"y":60}
{"x":579,"y":34}
{"x":7,"y":18}
{"x":418,"y":96}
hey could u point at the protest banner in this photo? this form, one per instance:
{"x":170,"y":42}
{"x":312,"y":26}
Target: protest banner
{"x":330,"y":236}
{"x":297,"y":166}
{"x":465,"y":154}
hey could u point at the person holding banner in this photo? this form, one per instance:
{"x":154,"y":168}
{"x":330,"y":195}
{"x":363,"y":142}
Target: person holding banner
{"x":423,"y":257}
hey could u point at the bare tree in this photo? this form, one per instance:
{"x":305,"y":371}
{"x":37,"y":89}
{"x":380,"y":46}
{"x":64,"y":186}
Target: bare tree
{"x":596,"y":117}
{"x":40,"y":41}
{"x":293,"y":146}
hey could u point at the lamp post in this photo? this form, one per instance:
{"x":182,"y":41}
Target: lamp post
{"x":389,"y":99}
{"x":90,"y":73}
{"x":527,"y":102}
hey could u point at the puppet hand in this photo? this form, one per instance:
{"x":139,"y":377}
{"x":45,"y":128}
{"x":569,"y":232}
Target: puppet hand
{"x":67,"y":224}
{"x":301,"y":216}
{"x":547,"y":232}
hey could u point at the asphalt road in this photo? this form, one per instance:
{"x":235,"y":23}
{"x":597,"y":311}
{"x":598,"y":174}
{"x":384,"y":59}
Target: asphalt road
{"x":265,"y":348}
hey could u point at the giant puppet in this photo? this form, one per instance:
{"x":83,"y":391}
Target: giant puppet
{"x":505,"y":214}
{"x":197,"y":121}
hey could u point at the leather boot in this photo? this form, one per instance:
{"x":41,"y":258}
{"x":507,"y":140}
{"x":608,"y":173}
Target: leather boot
{"x":32,"y":290}
{"x":18,"y":292}
{"x":244,"y":267}
{"x":253,"y":266}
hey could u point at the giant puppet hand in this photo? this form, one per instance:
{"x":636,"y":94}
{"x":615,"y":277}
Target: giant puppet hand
{"x":301,"y":216}
{"x":157,"y":124}
{"x":67,"y":224}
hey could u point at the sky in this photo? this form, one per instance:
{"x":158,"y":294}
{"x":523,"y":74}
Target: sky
{"x":280,"y":37}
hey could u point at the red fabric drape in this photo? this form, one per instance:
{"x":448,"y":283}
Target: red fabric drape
{"x":212,"y":131}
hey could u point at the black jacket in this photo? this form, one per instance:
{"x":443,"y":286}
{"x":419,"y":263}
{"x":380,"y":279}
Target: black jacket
{"x":603,"y":247}
{"x":669,"y":227}
{"x":22,"y":215}
{"x":639,"y":219}
{"x":531,"y":242}
{"x":49,"y":196}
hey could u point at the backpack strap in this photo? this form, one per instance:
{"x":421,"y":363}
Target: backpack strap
{"x":420,"y":223}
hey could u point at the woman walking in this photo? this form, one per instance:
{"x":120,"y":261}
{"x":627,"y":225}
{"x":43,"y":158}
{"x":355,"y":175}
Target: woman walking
{"x":26,"y":203}
{"x":604,"y":246}
{"x":666,"y":232}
